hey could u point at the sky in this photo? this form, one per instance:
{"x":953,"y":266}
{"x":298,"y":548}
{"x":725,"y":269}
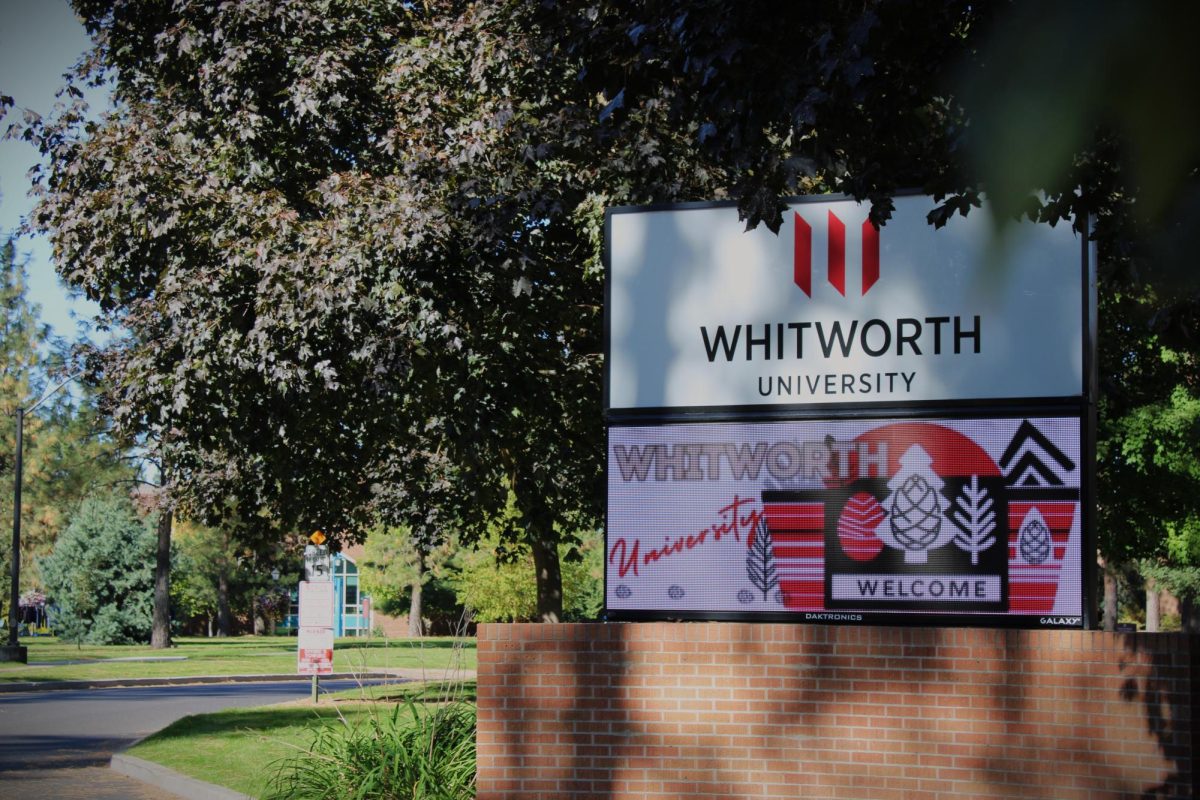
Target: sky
{"x":39,"y":41}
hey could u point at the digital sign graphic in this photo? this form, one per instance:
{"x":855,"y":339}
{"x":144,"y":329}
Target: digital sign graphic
{"x":840,"y":423}
{"x":847,"y":519}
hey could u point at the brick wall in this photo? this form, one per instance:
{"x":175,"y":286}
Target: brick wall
{"x":730,"y":710}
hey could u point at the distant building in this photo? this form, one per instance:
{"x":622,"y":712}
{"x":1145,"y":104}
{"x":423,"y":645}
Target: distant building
{"x":353,"y":615}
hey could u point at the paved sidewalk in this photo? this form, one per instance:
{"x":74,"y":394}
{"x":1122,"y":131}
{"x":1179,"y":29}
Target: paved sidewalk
{"x":79,"y":783}
{"x":159,"y":777}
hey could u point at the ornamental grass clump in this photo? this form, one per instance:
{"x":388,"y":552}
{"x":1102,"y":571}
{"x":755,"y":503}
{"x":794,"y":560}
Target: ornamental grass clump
{"x":415,"y":752}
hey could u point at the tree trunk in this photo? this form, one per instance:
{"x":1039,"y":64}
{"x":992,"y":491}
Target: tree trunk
{"x":416,"y":627}
{"x":1188,"y":618}
{"x":416,"y":622}
{"x":1152,"y":615}
{"x":1110,"y":598}
{"x":160,"y":633}
{"x":224,"y":618}
{"x":549,"y":573}
{"x":538,"y":521}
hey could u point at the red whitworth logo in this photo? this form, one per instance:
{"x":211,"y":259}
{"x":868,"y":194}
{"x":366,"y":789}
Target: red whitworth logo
{"x":836,"y":271}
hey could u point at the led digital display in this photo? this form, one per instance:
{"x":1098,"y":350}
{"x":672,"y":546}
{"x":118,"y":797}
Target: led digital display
{"x":837,"y":422}
{"x":847,"y":519}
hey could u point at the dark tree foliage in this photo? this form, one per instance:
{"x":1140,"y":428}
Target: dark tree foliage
{"x":355,"y":250}
{"x":1064,"y":113}
{"x":355,"y":245}
{"x":789,"y":98}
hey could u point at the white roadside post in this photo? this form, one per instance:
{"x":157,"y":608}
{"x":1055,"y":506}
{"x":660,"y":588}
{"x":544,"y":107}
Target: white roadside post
{"x":314,"y":646}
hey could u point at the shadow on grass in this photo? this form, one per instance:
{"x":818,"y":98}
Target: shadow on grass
{"x":243,"y":721}
{"x":427,"y":692}
{"x":408,"y":644}
{"x":234,"y":643}
{"x":383,"y":701}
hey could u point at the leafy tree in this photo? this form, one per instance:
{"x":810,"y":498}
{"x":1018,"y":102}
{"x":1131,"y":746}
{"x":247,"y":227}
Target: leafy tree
{"x":21,"y":380}
{"x":396,"y":566}
{"x":100,"y":576}
{"x":347,"y":245}
{"x":204,"y":571}
{"x":356,"y":245}
{"x":868,"y":98}
{"x":1158,"y":457}
{"x":216,"y":578}
{"x":495,"y":581}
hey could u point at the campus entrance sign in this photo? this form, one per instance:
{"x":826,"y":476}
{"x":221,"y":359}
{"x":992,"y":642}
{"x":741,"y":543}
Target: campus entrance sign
{"x":842,"y":424}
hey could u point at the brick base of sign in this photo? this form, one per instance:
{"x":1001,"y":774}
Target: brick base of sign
{"x":660,"y":711}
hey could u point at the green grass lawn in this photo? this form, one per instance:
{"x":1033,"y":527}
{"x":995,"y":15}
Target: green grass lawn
{"x":241,"y":748}
{"x":52,"y":660}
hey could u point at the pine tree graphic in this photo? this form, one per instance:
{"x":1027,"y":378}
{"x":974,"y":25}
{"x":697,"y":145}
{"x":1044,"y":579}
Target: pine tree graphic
{"x":916,"y":508}
{"x":973,"y":515}
{"x":760,"y":561}
{"x":1034,"y":541}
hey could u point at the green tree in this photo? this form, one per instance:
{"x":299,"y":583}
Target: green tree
{"x":398,"y":568}
{"x":357,"y":244}
{"x":216,"y":578}
{"x":21,"y":381}
{"x":100,"y":576}
{"x":495,"y":580}
{"x":347,"y":245}
{"x":206,"y":568}
{"x":1155,"y":449}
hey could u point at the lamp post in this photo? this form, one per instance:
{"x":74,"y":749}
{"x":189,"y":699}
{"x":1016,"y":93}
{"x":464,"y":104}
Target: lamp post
{"x":13,"y":651}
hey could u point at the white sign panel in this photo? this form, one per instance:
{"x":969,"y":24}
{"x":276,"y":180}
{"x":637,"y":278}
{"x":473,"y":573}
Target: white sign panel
{"x":316,"y":604}
{"x":848,"y":520}
{"x":831,"y":310}
{"x":318,"y":563}
{"x":314,"y":651}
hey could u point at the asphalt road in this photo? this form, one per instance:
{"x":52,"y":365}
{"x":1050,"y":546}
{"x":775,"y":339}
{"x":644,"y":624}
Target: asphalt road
{"x":52,"y":738}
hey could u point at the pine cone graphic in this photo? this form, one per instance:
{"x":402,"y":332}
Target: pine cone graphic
{"x":916,"y":514}
{"x":1035,"y":541}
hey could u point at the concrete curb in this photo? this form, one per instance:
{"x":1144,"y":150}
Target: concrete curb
{"x":170,"y":780}
{"x":111,"y":683}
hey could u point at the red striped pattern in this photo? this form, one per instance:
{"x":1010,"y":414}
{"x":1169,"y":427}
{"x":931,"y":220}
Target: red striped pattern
{"x":837,"y":254}
{"x":856,"y":527}
{"x":1032,"y":588}
{"x":802,"y":266}
{"x":798,"y":542}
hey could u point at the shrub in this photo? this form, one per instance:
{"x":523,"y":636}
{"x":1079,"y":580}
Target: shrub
{"x":424,"y":753}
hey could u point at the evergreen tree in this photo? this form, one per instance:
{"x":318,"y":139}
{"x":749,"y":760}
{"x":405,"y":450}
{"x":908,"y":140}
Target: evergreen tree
{"x":21,"y":372}
{"x":100,"y":576}
{"x":66,"y":451}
